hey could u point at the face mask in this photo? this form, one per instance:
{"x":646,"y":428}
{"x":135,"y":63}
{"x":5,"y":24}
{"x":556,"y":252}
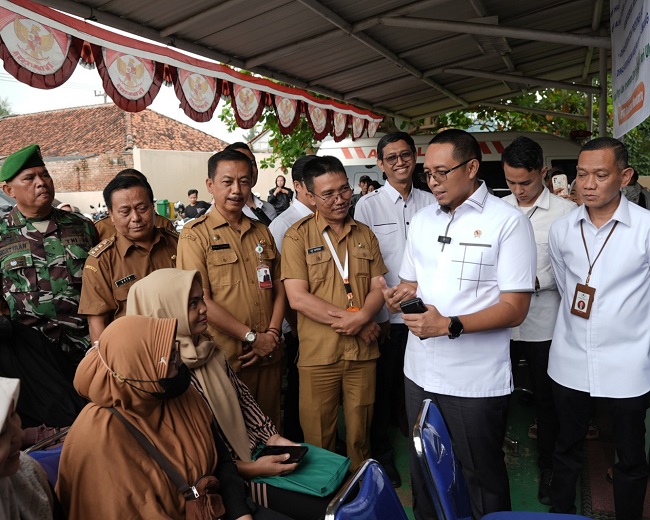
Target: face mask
{"x":174,"y":386}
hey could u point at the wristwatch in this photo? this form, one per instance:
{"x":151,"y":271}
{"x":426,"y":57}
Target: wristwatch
{"x":250,"y":337}
{"x":455,"y":327}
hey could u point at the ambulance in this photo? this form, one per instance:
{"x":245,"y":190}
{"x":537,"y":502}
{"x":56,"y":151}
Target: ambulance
{"x":360,"y":157}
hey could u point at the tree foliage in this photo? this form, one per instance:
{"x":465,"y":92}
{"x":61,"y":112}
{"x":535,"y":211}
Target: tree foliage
{"x":5,"y":107}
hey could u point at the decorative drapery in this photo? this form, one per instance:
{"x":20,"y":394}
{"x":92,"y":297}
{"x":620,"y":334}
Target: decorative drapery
{"x":41,"y":47}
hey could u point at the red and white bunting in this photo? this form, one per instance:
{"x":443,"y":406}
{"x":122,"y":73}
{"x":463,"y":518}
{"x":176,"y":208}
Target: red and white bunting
{"x":340,"y":126}
{"x":248,"y":104}
{"x":320,"y":121}
{"x":199,"y":95}
{"x":35,"y":53}
{"x":372,"y":128}
{"x":358,"y":126}
{"x":288,"y":112}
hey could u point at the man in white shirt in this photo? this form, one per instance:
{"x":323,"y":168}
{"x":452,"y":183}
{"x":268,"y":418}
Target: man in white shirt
{"x":388,"y":212}
{"x":255,"y":208}
{"x":297,"y":211}
{"x":600,"y":254}
{"x":523,"y":164}
{"x":476,"y":279}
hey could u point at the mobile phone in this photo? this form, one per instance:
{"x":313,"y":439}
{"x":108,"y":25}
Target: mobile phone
{"x":413,"y":306}
{"x":296,"y":453}
{"x":560,"y":182}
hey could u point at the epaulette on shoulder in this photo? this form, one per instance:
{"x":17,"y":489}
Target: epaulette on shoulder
{"x":196,"y":221}
{"x":303,"y":221}
{"x":169,"y":231}
{"x":102,"y":246}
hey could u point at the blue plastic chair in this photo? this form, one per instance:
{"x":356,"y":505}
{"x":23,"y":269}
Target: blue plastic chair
{"x":376,"y":499}
{"x":49,"y":461}
{"x":443,"y":475}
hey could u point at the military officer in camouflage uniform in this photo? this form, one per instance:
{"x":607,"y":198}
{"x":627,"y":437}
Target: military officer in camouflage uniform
{"x":135,"y":249}
{"x":42,"y":254}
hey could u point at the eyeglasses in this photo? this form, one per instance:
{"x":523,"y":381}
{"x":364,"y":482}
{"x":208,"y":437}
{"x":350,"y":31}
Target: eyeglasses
{"x":344,"y":193}
{"x":441,"y":175}
{"x":392,"y":159}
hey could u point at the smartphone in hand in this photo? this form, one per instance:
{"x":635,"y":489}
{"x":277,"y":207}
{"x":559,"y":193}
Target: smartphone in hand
{"x":413,"y":306}
{"x":560,"y":182}
{"x":296,"y":453}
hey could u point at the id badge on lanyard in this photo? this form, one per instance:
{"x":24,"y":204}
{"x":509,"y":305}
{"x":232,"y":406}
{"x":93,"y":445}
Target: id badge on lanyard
{"x":263,"y":270}
{"x":343,"y":271}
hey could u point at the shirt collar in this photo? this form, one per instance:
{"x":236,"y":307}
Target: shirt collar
{"x":217,"y":220}
{"x":322,"y":225}
{"x":123,"y":244}
{"x":393,"y":194}
{"x":622,"y":213}
{"x":301,"y":208}
{"x":476,"y":200}
{"x":544,"y":199}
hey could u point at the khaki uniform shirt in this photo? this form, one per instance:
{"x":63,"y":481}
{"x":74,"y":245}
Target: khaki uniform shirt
{"x":106,"y":228}
{"x":306,"y":256}
{"x":228,"y":264}
{"x":116,"y":264}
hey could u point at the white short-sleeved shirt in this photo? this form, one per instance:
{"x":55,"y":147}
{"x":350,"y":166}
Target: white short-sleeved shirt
{"x":492,"y":250}
{"x":297,"y":211}
{"x":545,"y":303}
{"x":607,"y":355}
{"x":389,"y":217}
{"x":266,"y":207}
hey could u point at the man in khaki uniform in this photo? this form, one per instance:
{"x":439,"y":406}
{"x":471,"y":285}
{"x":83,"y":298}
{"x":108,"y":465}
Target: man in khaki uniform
{"x":105,"y":226}
{"x":135,"y":249}
{"x":240,"y":269}
{"x":336,"y":303}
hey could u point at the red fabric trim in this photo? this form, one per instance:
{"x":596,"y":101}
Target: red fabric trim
{"x":129,"y":105}
{"x":200,"y":117}
{"x":328,"y":125}
{"x":248,"y":123}
{"x":286,"y":130}
{"x":47,"y":81}
{"x":88,"y":28}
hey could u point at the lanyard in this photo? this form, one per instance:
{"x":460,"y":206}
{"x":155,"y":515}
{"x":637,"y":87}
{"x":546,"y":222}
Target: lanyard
{"x":530,"y":216}
{"x":343,"y":269}
{"x":591,"y":264}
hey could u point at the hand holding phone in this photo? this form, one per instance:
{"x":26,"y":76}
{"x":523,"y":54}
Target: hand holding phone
{"x":296,"y":453}
{"x":560,"y":185}
{"x":413,"y":306}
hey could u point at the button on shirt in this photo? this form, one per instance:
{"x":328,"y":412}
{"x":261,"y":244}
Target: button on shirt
{"x":306,"y":256}
{"x":545,"y":303}
{"x":389,"y":217}
{"x":607,"y":355}
{"x":227,"y":261}
{"x":492,"y":250}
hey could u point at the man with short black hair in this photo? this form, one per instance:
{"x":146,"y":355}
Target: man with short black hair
{"x":388,"y":213}
{"x":134,"y":250}
{"x":240,"y":272}
{"x":331,"y":266}
{"x":600,"y":254}
{"x":196,"y":207}
{"x":476,"y":280}
{"x":523,"y":164}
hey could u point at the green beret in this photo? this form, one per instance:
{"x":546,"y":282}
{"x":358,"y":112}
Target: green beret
{"x":28,"y":157}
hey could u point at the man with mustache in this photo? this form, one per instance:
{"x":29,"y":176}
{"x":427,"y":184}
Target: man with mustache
{"x":240,"y":269}
{"x":42,"y":254}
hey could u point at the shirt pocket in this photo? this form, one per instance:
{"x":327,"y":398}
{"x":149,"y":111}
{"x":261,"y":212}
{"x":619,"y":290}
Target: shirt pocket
{"x":385,"y":229}
{"x":360,"y":264}
{"x":223,"y":267}
{"x":18,"y":273}
{"x":476,"y":264}
{"x":319,"y":266}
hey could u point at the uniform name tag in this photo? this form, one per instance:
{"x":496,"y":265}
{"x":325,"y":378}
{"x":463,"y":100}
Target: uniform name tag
{"x":582,"y":301}
{"x":17,"y":263}
{"x":313,"y":250}
{"x":124,"y":280}
{"x":217,"y":247}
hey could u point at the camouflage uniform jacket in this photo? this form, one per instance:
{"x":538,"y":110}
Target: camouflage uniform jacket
{"x":41,"y":274}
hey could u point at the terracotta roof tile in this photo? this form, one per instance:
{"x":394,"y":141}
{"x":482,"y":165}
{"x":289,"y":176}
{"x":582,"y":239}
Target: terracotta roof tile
{"x":100,"y":129}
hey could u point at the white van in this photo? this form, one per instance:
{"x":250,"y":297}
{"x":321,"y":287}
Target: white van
{"x":360,"y":157}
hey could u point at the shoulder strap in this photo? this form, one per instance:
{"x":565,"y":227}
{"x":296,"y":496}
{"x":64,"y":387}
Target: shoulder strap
{"x":162,"y":461}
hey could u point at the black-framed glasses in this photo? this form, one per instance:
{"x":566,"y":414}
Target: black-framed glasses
{"x":391,"y":159}
{"x":441,"y":175}
{"x":345,"y":193}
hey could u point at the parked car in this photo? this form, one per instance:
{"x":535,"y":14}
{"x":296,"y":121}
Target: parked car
{"x":6,"y":203}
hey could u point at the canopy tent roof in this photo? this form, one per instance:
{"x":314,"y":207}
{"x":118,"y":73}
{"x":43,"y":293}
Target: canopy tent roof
{"x":403,"y":58}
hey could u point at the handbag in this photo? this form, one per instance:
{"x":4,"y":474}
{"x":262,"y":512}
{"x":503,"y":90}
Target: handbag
{"x":320,"y":473}
{"x":202,"y":499}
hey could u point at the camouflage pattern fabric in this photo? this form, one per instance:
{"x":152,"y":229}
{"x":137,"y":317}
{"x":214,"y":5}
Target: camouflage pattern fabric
{"x":41,"y":274}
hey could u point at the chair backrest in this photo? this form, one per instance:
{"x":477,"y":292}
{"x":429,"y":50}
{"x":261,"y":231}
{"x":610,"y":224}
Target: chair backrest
{"x":375,"y":500}
{"x":442,"y":472}
{"x":49,"y":461}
